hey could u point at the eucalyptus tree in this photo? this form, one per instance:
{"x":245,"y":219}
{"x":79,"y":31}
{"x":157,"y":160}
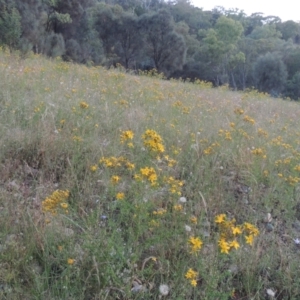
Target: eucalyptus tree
{"x":106,"y":22}
{"x":289,"y":30}
{"x":270,"y":74}
{"x":128,"y":40}
{"x":10,"y":24}
{"x":219,"y":50}
{"x":165,"y":48}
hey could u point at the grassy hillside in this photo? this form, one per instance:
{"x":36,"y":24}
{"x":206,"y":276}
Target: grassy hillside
{"x":115,"y":186}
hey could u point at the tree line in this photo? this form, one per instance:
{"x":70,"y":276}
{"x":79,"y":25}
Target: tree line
{"x":180,"y":40}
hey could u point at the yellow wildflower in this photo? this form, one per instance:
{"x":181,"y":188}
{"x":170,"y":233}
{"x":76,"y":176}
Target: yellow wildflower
{"x":153,"y":223}
{"x":153,"y":141}
{"x":77,"y":138}
{"x":251,"y":229}
{"x":258,"y":151}
{"x":149,"y":174}
{"x":191,"y":274}
{"x":249,"y":120}
{"x":178,"y":207}
{"x":64,"y":205}
{"x":160,"y":211}
{"x":220,"y":218}
{"x":234,"y":244}
{"x":249,"y":239}
{"x":224,"y":246}
{"x":238,"y":111}
{"x":130,"y":145}
{"x":193,"y":219}
{"x":120,"y":196}
{"x":83,"y":105}
{"x":126,"y":135}
{"x":71,"y":261}
{"x":195,"y":244}
{"x":130,"y":166}
{"x":193,"y":282}
{"x":236,"y":230}
{"x":94,"y":168}
{"x":57,"y":198}
{"x":115,"y":179}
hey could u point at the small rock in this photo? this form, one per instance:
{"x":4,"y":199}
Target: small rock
{"x":138,"y":288}
{"x":164,"y":289}
{"x":269,"y":227}
{"x":182,"y":200}
{"x":271,"y":293}
{"x":268,"y":218}
{"x":188,"y":228}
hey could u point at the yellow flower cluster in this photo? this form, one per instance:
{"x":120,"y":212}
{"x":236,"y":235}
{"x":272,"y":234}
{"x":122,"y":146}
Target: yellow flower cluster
{"x":71,"y":261}
{"x":297,"y":168}
{"x":191,"y":275}
{"x":114,"y":162}
{"x":238,"y":111}
{"x":177,"y":104}
{"x":83,"y":105}
{"x":195,"y":244}
{"x":186,"y":110}
{"x":262,"y":132}
{"x":193,"y":219}
{"x":153,"y":141}
{"x":148,"y":173}
{"x":77,"y":138}
{"x":93,"y":168}
{"x":171,"y":162}
{"x":55,"y":200}
{"x":292,"y":180}
{"x":120,"y":196}
{"x":249,"y":120}
{"x":175,"y":185}
{"x":160,"y":212}
{"x":126,"y":135}
{"x":259,"y":152}
{"x":277,"y":141}
{"x":123,"y":103}
{"x":226,"y":134}
{"x":285,"y":161}
{"x":251,"y":231}
{"x":177,"y":207}
{"x":115,"y":179}
{"x":229,"y":233}
{"x":153,"y":224}
{"x":209,"y":150}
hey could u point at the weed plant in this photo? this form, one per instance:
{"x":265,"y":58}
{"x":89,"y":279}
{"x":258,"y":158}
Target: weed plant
{"x":118,"y":186}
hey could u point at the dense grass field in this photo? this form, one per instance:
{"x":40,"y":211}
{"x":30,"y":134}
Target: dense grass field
{"x":118,"y":186}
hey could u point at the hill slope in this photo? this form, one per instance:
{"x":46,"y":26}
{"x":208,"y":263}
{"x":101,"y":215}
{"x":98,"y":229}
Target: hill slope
{"x":115,"y":186}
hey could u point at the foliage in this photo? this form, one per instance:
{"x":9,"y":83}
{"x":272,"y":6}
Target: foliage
{"x":270,"y":74}
{"x":164,"y":46}
{"x":10,"y":26}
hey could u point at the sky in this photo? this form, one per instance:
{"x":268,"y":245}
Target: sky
{"x":286,"y":10}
